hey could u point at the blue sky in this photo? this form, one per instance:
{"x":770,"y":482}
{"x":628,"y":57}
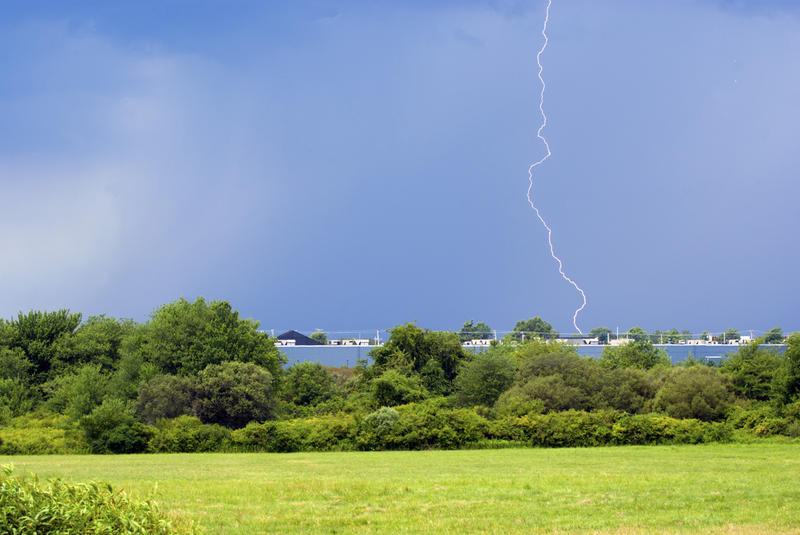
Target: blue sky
{"x":355,"y":165}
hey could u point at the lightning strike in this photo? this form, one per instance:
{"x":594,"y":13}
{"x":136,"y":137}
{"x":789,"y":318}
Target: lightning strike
{"x":541,"y":161}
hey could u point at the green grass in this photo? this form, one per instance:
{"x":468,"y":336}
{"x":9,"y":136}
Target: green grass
{"x":737,"y":488}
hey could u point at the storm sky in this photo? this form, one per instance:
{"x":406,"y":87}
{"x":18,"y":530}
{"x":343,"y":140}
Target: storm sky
{"x":354,"y":165}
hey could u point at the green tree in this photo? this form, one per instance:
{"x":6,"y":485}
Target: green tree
{"x":96,"y":341}
{"x":6,"y":334}
{"x":308,"y":383}
{"x":786,"y":383}
{"x":319,"y":336}
{"x":601,"y":333}
{"x":410,"y":348}
{"x":474,"y":331}
{"x":14,"y":365}
{"x":694,"y":392}
{"x":235,"y":393}
{"x":752,"y":370}
{"x":657,"y":337}
{"x":484,"y":378}
{"x":37,"y":333}
{"x":183,"y":338}
{"x":672,"y":336}
{"x":637,"y":354}
{"x":772,"y":336}
{"x":79,"y":392}
{"x":637,"y":334}
{"x":532,"y":328}
{"x":16,"y":395}
{"x":729,"y":336}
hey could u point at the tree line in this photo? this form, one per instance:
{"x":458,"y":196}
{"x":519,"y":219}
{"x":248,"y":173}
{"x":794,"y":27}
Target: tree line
{"x":537,"y":327}
{"x":197,"y":377}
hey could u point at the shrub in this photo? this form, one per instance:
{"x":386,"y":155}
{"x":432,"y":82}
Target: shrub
{"x":165,"y":396}
{"x":235,"y":393}
{"x":422,"y":426}
{"x":111,"y":428}
{"x":765,"y":419}
{"x":578,"y":428}
{"x":187,"y":434}
{"x":484,"y":378}
{"x":567,"y":429}
{"x":382,"y":420}
{"x":394,"y":388}
{"x":694,"y":392}
{"x":27,"y":507}
{"x":308,"y":383}
{"x":376,"y":427}
{"x":325,"y":433}
{"x":41,"y":434}
{"x":517,"y":402}
{"x":16,"y":397}
{"x":628,"y":389}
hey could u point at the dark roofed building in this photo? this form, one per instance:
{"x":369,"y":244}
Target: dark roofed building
{"x":299,"y":338}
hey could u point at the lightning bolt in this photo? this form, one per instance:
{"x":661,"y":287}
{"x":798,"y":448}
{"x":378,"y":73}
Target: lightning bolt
{"x":541,"y":161}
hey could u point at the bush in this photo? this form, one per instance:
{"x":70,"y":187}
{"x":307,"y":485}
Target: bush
{"x":41,"y":434}
{"x":111,"y":428}
{"x":165,"y":396}
{"x":484,"y":378}
{"x":187,"y":434}
{"x":694,"y":392}
{"x":566,"y":381}
{"x":421,"y":426}
{"x":578,"y":428}
{"x":325,"y":433}
{"x":629,"y":390}
{"x":27,"y":507}
{"x":377,"y":427}
{"x":16,"y":397}
{"x":308,"y":383}
{"x":766,"y":420}
{"x":235,"y":393}
{"x":394,"y":388}
{"x":517,"y":402}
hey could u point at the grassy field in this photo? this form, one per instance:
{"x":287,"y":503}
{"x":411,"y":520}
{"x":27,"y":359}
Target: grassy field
{"x":746,"y":488}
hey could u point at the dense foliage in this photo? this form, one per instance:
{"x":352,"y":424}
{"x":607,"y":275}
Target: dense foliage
{"x":196,"y":377}
{"x":29,"y":508}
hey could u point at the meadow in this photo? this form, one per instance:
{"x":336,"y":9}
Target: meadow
{"x":716,"y":488}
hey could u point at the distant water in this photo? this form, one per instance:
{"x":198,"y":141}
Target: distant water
{"x":348,"y":355}
{"x":680,"y":352}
